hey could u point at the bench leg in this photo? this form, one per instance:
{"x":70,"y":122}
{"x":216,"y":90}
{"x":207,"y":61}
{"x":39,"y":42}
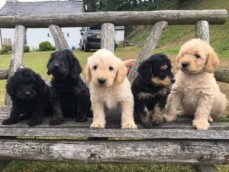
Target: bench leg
{"x":3,"y":164}
{"x":206,"y":168}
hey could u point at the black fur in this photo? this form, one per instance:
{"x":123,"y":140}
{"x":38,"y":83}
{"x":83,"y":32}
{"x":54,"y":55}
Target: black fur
{"x":71,"y":95}
{"x":30,"y":97}
{"x":150,"y":96}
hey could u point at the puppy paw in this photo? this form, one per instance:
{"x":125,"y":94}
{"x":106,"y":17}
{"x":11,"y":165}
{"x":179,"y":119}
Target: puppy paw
{"x":169,"y":118}
{"x":158,"y":120}
{"x":81,"y":118}
{"x":34,"y":122}
{"x":97,"y":125}
{"x":8,"y":122}
{"x":210,"y":119}
{"x":129,"y":125}
{"x":56,"y":121}
{"x":200,"y":124}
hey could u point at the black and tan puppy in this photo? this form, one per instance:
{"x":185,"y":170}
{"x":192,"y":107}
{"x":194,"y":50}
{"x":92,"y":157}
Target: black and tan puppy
{"x":70,"y":94}
{"x":30,"y":97}
{"x":151,"y":88}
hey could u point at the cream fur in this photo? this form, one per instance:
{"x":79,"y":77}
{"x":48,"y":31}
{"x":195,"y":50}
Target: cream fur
{"x":196,"y":91}
{"x":116,"y":90}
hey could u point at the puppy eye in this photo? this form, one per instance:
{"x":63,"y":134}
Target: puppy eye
{"x":197,"y":56}
{"x":95,"y":67}
{"x":111,"y":68}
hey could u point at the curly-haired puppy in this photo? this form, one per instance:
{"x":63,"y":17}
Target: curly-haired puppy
{"x":109,"y":87}
{"x":195,"y":91}
{"x":70,"y":93}
{"x":151,"y":88}
{"x":30,"y":97}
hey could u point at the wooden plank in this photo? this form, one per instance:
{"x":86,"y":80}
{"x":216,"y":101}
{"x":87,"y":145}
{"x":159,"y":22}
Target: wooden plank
{"x":148,"y":47}
{"x":121,"y":18}
{"x":3,"y":74}
{"x":108,"y":36}
{"x":222,"y":75}
{"x":202,"y":30}
{"x":157,"y":151}
{"x":17,"y":53}
{"x":206,"y":168}
{"x":58,"y":36}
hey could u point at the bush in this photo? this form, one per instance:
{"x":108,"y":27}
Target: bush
{"x":46,"y":46}
{"x":26,"y":48}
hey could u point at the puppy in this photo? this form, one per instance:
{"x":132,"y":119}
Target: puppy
{"x":195,"y":91}
{"x":30,"y":97}
{"x":109,"y":87}
{"x":70,"y":94}
{"x":151,"y":88}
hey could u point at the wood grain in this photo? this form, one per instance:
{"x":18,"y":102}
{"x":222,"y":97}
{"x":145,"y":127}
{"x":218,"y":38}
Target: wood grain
{"x":108,"y":36}
{"x":202,"y":30}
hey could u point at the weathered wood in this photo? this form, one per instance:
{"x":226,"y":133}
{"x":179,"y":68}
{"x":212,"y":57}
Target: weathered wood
{"x":142,"y":151}
{"x":148,"y":47}
{"x":108,"y":36}
{"x":121,"y":18}
{"x":3,"y":164}
{"x":222,"y":75}
{"x":17,"y":53}
{"x":202,"y":30}
{"x":3,"y":74}
{"x":206,"y":168}
{"x":58,"y":36}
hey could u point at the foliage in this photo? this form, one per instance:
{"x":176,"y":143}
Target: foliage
{"x":46,"y":46}
{"x":26,"y":48}
{"x":6,"y":49}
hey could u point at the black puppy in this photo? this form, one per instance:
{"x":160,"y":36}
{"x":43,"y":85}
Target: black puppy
{"x":30,"y":97}
{"x":71,"y":95}
{"x":151,"y":88}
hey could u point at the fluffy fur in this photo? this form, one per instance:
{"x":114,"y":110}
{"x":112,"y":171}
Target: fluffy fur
{"x":30,"y":97}
{"x":109,"y":87}
{"x":151,"y":88}
{"x":70,"y":94}
{"x":195,"y":91}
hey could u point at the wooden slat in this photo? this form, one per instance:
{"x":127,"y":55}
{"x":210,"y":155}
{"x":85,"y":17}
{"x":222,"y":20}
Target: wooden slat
{"x":3,"y":74}
{"x":158,"y":151}
{"x":148,"y":47}
{"x":202,"y":30}
{"x":222,"y":75}
{"x":121,"y":18}
{"x":58,"y":36}
{"x":108,"y":36}
{"x":17,"y":53}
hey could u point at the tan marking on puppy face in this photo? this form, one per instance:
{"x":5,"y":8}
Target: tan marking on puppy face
{"x":162,"y":82}
{"x":164,"y":67}
{"x":104,"y":68}
{"x":196,"y":56}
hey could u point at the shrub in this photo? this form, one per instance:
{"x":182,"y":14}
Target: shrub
{"x":6,"y":49}
{"x":26,"y":48}
{"x":46,"y":46}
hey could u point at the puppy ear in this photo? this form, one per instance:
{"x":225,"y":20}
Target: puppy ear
{"x":212,"y":62}
{"x":49,"y":62}
{"x":87,"y":74}
{"x":10,"y":87}
{"x":121,"y":73}
{"x":76,"y":69}
{"x":177,"y":60}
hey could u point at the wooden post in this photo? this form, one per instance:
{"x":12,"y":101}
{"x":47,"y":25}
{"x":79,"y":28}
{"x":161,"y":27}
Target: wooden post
{"x":108,"y":36}
{"x":3,"y":74}
{"x":148,"y":47}
{"x":222,"y":75}
{"x":202,"y":30}
{"x":58,"y":36}
{"x":17,"y":53}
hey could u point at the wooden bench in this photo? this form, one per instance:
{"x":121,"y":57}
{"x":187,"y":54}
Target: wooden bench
{"x":176,"y":142}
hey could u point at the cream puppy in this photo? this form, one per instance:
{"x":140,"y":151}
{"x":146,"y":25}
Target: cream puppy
{"x":109,"y":87}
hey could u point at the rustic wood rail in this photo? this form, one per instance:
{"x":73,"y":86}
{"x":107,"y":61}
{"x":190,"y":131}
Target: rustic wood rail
{"x":176,"y":142}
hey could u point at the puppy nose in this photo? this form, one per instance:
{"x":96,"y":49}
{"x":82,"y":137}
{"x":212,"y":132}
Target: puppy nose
{"x":56,"y":65}
{"x":173,"y":80}
{"x":27,"y":92}
{"x":185,"y":64}
{"x":101,"y":81}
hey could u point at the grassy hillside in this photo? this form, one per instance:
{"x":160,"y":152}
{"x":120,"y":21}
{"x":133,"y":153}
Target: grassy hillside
{"x":174,"y":36}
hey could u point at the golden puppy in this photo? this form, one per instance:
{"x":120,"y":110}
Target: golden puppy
{"x":109,"y":87}
{"x":196,"y":91}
